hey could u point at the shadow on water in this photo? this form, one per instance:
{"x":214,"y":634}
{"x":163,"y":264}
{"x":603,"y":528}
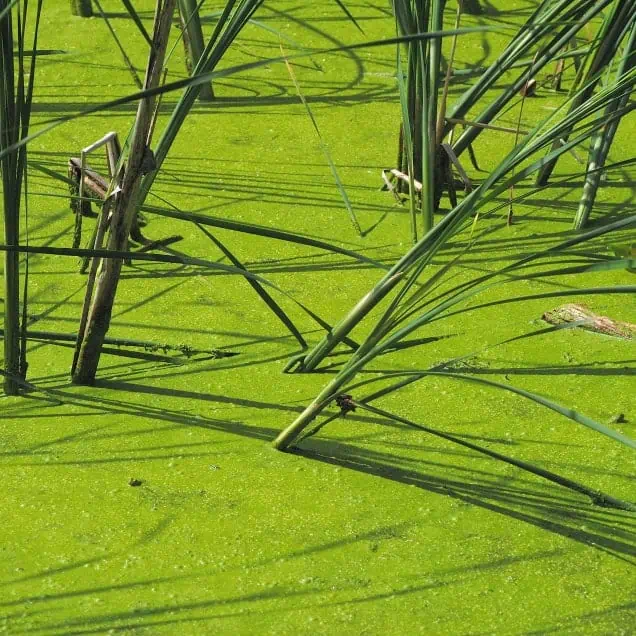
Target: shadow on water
{"x":285,"y":598}
{"x":550,"y":509}
{"x":542,"y":505}
{"x":518,"y":500}
{"x":547,"y":509}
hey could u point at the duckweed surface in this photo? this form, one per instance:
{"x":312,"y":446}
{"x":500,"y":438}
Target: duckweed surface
{"x":153,"y":503}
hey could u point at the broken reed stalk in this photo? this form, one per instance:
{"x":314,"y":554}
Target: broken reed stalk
{"x":193,"y":42}
{"x":82,"y":8}
{"x":124,"y":206}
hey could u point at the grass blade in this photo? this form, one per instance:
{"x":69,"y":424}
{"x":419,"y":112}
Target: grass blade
{"x":598,"y":498}
{"x":323,"y":145}
{"x":258,"y":288}
{"x":137,"y":20}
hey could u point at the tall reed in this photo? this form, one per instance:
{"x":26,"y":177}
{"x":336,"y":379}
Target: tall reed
{"x":193,"y":41}
{"x":16,"y":95}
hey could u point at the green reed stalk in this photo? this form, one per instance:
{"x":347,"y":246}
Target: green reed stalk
{"x":602,"y":142}
{"x":15,"y":108}
{"x":193,"y":42}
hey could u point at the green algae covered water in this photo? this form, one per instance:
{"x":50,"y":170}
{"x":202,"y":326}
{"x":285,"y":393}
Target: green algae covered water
{"x":153,"y":503}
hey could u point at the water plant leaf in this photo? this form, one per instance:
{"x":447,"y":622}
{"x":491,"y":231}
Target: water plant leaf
{"x":597,"y":497}
{"x":258,"y":288}
{"x":138,"y":22}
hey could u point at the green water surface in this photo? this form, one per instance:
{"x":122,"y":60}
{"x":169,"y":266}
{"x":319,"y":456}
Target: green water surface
{"x":374,"y":528}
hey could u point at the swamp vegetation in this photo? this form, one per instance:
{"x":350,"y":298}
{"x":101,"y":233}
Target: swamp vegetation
{"x":444,"y":344}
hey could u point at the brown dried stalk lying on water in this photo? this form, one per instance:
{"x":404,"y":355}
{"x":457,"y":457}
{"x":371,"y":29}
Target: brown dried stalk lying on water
{"x":589,"y":320}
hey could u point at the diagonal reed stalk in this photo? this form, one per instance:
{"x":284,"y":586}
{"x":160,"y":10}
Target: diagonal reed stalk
{"x":125,"y":205}
{"x":136,"y":183}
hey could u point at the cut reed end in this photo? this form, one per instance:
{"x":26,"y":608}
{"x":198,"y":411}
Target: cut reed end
{"x":82,"y":8}
{"x":529,"y":89}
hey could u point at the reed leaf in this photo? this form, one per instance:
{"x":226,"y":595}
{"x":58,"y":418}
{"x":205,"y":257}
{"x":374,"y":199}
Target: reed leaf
{"x":138,"y":22}
{"x":598,"y":498}
{"x":260,"y":230}
{"x":258,"y":288}
{"x":323,"y":146}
